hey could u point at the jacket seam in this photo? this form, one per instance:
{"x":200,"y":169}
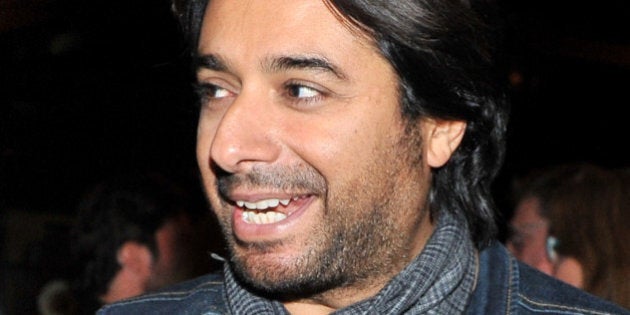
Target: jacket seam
{"x":165,"y":296}
{"x":543,"y":305}
{"x":508,"y":305}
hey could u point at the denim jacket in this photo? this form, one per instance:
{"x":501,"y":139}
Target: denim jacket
{"x":504,"y":286}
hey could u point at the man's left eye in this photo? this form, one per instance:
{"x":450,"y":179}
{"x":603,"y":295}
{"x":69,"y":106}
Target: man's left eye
{"x":302,"y":91}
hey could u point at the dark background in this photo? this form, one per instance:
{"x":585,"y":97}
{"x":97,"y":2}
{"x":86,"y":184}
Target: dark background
{"x":91,"y":88}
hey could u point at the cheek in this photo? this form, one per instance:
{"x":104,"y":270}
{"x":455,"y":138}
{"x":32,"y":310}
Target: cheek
{"x":336,"y":146}
{"x":533,"y":251}
{"x":334,"y":157}
{"x":167,"y":241}
{"x":206,"y":130}
{"x":205,"y":135}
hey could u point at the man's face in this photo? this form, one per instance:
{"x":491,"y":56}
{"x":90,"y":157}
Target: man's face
{"x":529,"y":231}
{"x":176,"y":258}
{"x":315,"y":177}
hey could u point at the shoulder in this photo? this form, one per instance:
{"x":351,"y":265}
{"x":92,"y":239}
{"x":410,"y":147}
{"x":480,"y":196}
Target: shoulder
{"x":539,"y":292}
{"x":200,"y":295}
{"x":506,"y":286}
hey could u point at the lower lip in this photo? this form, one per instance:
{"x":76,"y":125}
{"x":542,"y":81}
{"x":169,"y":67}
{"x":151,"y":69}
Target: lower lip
{"x":249,"y":232}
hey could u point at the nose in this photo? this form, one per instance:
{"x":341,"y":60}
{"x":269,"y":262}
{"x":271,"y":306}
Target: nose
{"x":245,"y":134}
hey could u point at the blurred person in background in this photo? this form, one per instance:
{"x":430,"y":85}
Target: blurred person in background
{"x":570,"y":222}
{"x":137,"y":233}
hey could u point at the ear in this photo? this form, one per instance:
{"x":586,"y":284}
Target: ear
{"x":135,"y":262}
{"x":442,"y":137}
{"x":136,"y":259}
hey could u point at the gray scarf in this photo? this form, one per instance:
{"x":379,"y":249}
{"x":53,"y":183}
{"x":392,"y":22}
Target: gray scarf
{"x":439,"y":281}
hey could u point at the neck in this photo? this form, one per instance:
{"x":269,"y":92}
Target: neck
{"x":337,"y":298}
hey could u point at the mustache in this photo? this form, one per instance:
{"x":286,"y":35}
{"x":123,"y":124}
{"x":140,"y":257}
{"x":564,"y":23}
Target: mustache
{"x":277,"y":178}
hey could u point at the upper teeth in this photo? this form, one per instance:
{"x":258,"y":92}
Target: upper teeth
{"x":262,"y":204}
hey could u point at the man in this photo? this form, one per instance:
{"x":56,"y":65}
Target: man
{"x":569,"y":222}
{"x":347,"y":148}
{"x":529,"y":240}
{"x":137,"y":233}
{"x":529,"y":235}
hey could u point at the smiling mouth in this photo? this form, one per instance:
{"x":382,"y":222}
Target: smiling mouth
{"x":269,"y":211}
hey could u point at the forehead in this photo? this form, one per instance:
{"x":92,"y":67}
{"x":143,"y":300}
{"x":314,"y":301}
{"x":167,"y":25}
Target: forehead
{"x":255,"y":29}
{"x":527,"y":212}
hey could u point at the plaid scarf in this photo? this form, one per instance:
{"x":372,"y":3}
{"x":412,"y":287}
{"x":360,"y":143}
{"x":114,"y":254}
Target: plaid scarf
{"x":439,"y":281}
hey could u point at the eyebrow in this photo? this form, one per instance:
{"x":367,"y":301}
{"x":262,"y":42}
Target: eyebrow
{"x":285,"y":63}
{"x":210,"y":62}
{"x":273,"y":64}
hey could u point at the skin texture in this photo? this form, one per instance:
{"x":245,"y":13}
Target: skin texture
{"x":295,"y":105}
{"x":135,"y":269}
{"x":530,"y":231}
{"x":570,"y":271}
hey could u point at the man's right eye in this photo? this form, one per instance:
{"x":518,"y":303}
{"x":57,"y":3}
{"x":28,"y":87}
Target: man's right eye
{"x":209,"y":91}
